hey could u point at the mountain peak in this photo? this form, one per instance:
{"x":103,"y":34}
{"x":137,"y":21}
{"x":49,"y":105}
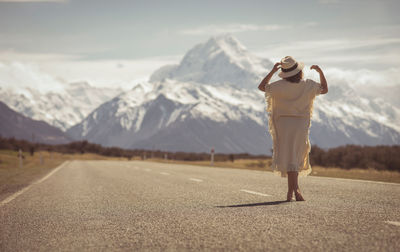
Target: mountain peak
{"x":224,"y":44}
{"x":223,"y":40}
{"x":227,"y":43}
{"x":221,"y":59}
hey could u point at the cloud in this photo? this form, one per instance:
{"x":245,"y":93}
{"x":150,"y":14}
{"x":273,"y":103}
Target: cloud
{"x":329,"y":1}
{"x":107,"y":73}
{"x":12,"y":55}
{"x":340,"y":44}
{"x":375,"y":53}
{"x":361,"y":78}
{"x":33,"y":1}
{"x":74,"y":67}
{"x":231,"y":28}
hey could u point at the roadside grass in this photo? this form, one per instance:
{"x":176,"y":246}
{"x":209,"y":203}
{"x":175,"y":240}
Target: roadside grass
{"x":335,"y":172}
{"x":13,"y":178}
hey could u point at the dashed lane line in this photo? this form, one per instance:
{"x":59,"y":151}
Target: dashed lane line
{"x":164,"y":173}
{"x":195,"y":179}
{"x":396,"y":223}
{"x":256,"y":193}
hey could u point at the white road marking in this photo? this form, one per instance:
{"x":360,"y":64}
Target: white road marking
{"x":16,"y":194}
{"x":164,"y":173}
{"x":195,"y":179}
{"x":396,"y":223}
{"x":256,"y":193}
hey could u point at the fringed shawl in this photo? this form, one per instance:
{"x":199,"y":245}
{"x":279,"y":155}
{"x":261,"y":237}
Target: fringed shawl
{"x":272,"y":96}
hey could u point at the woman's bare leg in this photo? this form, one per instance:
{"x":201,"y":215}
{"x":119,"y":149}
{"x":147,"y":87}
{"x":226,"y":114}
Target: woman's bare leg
{"x":295,"y":181}
{"x":296,"y":189}
{"x":290,"y":186}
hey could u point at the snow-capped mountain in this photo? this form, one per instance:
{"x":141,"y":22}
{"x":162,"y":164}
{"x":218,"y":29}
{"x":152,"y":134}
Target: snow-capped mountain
{"x":40,"y":96}
{"x":189,"y":107}
{"x":220,"y":60}
{"x":179,"y":116}
{"x":14,"y":124}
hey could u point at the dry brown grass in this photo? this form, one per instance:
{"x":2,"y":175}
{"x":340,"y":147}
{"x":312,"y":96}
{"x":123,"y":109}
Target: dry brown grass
{"x":357,"y":173}
{"x":12,"y":177}
{"x":263,"y":165}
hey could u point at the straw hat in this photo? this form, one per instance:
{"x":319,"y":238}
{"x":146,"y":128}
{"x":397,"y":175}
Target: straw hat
{"x":290,"y":67}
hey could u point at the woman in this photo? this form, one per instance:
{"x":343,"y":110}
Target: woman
{"x":289,"y":107}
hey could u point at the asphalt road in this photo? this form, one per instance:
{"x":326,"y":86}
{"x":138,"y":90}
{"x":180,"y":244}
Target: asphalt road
{"x":131,"y":206}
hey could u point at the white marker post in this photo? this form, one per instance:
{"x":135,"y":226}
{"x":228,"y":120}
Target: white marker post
{"x":212,"y":156}
{"x":165,"y":156}
{"x":20,"y":158}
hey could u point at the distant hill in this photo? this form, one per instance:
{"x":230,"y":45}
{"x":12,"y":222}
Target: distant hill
{"x":14,"y":124}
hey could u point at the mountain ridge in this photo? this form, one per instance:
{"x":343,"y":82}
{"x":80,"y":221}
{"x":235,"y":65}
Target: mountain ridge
{"x":64,"y":106}
{"x":14,"y":124}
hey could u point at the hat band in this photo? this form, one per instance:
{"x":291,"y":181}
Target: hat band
{"x":289,"y":69}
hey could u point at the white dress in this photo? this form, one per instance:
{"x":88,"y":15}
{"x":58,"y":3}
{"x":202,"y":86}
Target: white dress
{"x":289,"y":107}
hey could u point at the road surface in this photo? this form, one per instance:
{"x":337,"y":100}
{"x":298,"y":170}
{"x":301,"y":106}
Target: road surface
{"x":135,"y":205}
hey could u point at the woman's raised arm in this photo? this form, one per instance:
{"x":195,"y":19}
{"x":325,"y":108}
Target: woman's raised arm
{"x":324,"y":84}
{"x":268,"y":77}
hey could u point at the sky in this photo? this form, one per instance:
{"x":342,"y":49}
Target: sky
{"x":108,"y":42}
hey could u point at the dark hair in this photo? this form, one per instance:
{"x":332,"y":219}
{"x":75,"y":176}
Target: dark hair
{"x":295,"y":78}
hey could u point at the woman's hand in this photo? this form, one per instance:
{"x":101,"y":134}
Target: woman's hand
{"x":268,"y":77}
{"x":322,"y":78}
{"x":316,"y":68}
{"x":276,"y":67}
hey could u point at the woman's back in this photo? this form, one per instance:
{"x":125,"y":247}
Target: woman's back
{"x":292,"y":99}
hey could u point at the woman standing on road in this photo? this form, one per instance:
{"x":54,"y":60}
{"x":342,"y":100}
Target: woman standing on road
{"x":289,"y":106}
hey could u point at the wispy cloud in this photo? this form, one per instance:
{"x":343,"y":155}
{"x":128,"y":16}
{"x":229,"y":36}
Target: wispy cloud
{"x":231,"y":28}
{"x":33,"y":1}
{"x":329,"y":1}
{"x":341,"y":44}
{"x":373,"y":52}
{"x":70,"y":68}
{"x":12,"y":55}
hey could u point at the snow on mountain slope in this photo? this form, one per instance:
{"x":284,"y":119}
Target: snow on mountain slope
{"x":346,"y":103}
{"x":187,"y":116}
{"x":220,"y":60}
{"x":40,"y":96}
{"x":181,"y":116}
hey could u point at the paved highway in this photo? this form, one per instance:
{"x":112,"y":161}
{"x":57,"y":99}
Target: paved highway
{"x":135,"y":205}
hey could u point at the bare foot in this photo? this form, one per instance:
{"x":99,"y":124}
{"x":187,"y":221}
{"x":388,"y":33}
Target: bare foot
{"x":298,"y":195}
